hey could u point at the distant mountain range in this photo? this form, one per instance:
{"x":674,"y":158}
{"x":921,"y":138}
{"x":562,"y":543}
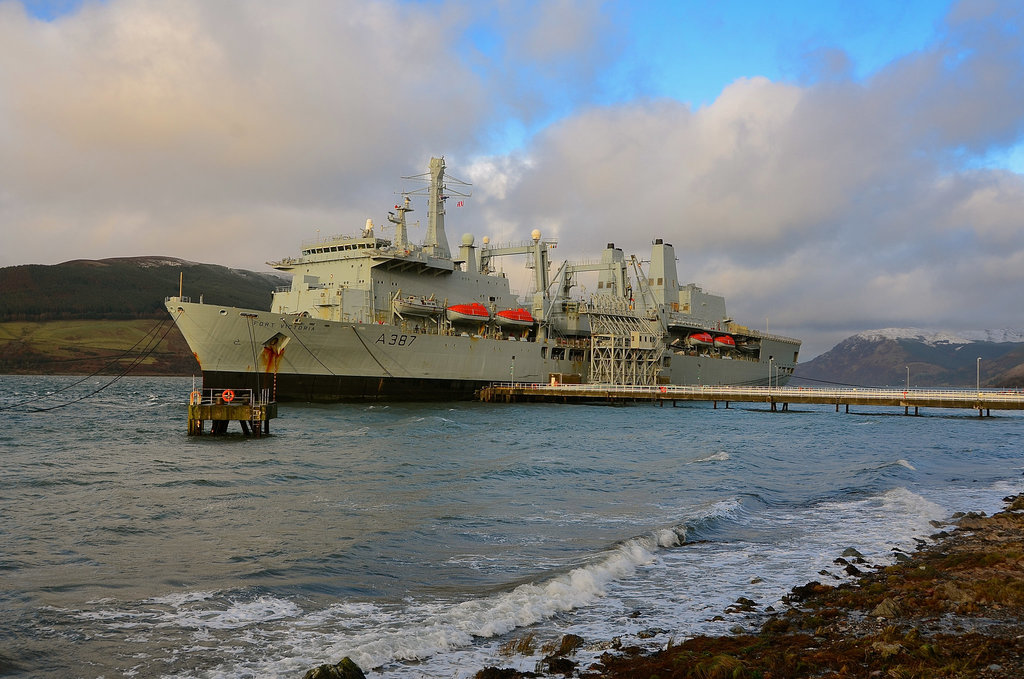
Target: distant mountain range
{"x":934,"y":359}
{"x":123,"y":288}
{"x":105,"y":316}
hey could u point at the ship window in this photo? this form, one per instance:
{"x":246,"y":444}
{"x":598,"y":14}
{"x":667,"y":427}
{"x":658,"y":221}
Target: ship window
{"x":660,"y":281}
{"x":650,"y":281}
{"x":600,"y":284}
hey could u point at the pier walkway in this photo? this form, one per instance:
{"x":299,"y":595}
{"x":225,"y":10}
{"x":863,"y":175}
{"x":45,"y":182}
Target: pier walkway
{"x":777,"y":398}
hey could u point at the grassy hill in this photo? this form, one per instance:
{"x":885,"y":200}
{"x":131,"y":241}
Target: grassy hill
{"x":83,"y":347}
{"x":108,"y":316}
{"x":123,"y":288}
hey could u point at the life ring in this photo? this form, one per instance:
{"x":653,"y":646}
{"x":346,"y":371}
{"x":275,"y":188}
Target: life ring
{"x":227,"y":395}
{"x":664,"y":390}
{"x":195,"y":398}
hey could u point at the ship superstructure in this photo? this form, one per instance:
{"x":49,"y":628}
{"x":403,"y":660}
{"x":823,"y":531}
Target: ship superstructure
{"x":367,"y":317}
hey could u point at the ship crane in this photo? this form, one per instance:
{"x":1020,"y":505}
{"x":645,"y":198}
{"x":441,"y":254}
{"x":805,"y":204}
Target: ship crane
{"x":613,"y":283}
{"x":646,"y":296}
{"x":537,"y":259}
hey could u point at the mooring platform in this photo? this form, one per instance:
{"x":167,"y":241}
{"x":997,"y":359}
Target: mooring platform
{"x":777,"y":398}
{"x":252,"y":410}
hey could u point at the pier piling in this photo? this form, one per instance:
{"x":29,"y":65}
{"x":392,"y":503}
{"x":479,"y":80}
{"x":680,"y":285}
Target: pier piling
{"x":252,"y":410}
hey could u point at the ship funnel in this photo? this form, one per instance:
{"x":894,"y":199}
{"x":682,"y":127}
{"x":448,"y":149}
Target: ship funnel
{"x":611,"y":279}
{"x":663,"y":280}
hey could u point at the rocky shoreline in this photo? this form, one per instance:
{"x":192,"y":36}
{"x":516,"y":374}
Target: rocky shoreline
{"x":954,"y":608}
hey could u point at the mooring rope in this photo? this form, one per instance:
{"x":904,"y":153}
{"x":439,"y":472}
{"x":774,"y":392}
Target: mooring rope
{"x":308,"y":350}
{"x":146,"y":351}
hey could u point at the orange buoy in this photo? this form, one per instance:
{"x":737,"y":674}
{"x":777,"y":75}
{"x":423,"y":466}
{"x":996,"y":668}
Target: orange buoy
{"x":228,"y":395}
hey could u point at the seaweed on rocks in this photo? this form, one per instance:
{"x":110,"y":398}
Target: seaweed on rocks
{"x":951,"y":609}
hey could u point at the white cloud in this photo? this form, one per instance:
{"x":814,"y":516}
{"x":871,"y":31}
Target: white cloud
{"x":227,"y":132}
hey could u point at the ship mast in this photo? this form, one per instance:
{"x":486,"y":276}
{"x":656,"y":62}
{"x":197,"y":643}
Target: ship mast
{"x":401,"y":230}
{"x":436,"y":240}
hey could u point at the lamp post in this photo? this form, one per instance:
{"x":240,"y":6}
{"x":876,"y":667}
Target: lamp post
{"x":771,"y":364}
{"x":908,"y":378}
{"x":979,"y":376}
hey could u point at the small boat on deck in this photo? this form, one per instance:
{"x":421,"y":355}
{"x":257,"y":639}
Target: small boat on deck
{"x":514,"y":318}
{"x":412,"y":305}
{"x":474,"y":312}
{"x":749,"y":346}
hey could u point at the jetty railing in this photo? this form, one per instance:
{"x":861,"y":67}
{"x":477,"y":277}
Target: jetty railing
{"x":229,"y":396}
{"x":973,"y":399}
{"x":252,"y":409}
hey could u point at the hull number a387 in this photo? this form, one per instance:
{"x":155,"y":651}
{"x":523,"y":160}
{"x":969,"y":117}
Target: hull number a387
{"x":396,"y":340}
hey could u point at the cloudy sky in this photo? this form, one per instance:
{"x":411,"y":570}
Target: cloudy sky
{"x":829,"y":166}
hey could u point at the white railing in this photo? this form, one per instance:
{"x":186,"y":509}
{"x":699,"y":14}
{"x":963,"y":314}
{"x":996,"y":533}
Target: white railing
{"x":968,"y":397}
{"x":208,"y":397}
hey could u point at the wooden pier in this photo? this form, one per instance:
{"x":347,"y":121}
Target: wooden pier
{"x":776,"y":398}
{"x":253,"y":411}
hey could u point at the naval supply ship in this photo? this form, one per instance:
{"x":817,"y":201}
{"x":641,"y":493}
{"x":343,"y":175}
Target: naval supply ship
{"x":371,"y":318}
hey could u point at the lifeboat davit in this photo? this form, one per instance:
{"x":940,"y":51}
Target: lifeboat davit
{"x":701,"y":339}
{"x":468,"y":312}
{"x":725,"y":342}
{"x":516,"y":318}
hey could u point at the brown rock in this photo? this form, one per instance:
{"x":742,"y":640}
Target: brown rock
{"x":345,"y":669}
{"x":889,"y":608}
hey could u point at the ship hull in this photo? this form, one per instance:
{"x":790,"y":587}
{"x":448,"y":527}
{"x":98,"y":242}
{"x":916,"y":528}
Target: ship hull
{"x":304,"y":359}
{"x":311,"y":388}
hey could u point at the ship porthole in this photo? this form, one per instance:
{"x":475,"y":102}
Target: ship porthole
{"x":223,"y":312}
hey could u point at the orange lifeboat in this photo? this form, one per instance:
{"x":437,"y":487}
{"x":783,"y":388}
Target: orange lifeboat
{"x":475,"y":311}
{"x":725,"y":342}
{"x":515,"y":318}
{"x":700,"y":339}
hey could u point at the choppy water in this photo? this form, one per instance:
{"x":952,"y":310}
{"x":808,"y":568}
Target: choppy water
{"x":419,"y":538}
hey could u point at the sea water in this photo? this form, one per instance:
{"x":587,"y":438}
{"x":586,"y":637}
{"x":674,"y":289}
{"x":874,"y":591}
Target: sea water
{"x":420,"y":539}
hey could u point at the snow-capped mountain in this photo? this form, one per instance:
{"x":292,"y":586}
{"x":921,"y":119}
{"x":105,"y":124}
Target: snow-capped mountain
{"x":927,"y":357}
